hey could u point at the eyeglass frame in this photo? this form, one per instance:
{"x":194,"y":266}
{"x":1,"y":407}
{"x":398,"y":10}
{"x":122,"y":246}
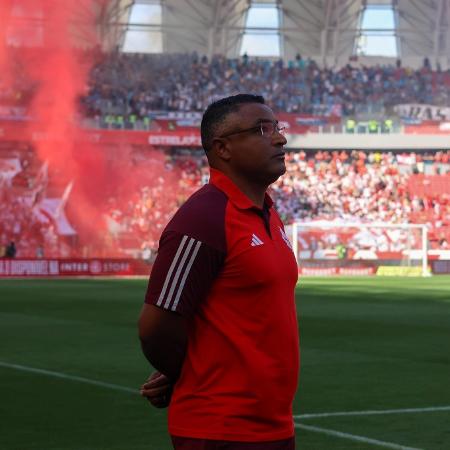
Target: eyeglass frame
{"x":258,"y":127}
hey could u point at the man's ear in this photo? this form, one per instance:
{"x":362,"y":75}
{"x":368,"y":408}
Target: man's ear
{"x":221,"y":148}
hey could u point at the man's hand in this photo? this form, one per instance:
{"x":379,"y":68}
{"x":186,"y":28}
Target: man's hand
{"x":158,"y":390}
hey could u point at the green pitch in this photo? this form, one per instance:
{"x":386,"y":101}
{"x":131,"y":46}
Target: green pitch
{"x":70,"y":365}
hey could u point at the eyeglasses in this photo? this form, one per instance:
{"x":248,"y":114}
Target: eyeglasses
{"x":267,"y":129}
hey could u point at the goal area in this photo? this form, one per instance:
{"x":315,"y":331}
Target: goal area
{"x":330,"y":248}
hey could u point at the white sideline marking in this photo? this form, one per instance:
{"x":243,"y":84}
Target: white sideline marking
{"x":373,"y":412}
{"x":64,"y":376}
{"x":339,"y":434}
{"x":353,"y":437}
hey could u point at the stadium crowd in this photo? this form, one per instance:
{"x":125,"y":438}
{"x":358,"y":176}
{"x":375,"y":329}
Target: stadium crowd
{"x":22,"y":186}
{"x":353,"y":185}
{"x":137,"y":84}
{"x":344,"y":186}
{"x":364,"y":187}
{"x":140,"y":219}
{"x":341,"y":186}
{"x":34,"y":235}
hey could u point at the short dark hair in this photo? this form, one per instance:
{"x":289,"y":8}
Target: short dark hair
{"x":216,"y":113}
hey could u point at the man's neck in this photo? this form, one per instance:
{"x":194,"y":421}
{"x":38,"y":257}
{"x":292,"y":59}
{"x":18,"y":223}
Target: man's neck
{"x":255,"y":192}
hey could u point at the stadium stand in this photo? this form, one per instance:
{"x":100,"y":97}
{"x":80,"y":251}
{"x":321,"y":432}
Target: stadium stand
{"x":345,"y":185}
{"x":21,"y":188}
{"x":401,"y":187}
{"x":120,"y":85}
{"x":138,"y":222}
{"x":367,"y":187}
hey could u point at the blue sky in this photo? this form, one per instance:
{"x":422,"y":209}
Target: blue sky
{"x":379,"y":43}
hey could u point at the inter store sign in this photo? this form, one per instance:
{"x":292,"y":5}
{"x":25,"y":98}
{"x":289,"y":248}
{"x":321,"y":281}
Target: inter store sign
{"x":23,"y":268}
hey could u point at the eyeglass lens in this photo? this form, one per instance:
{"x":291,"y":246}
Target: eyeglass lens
{"x":268,"y":128}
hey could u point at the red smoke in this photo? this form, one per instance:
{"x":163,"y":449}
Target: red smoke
{"x":53,"y":31}
{"x":5,"y":14}
{"x":59,"y":70}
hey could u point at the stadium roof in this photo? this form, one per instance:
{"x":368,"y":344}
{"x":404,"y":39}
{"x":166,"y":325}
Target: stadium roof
{"x":329,"y":31}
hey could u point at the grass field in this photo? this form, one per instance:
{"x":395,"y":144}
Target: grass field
{"x":70,"y":365}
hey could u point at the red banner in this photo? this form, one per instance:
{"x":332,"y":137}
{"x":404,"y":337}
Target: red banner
{"x":31,"y":132}
{"x":72,"y":267}
{"x":54,"y":268}
{"x":443,"y":128}
{"x":181,"y":136}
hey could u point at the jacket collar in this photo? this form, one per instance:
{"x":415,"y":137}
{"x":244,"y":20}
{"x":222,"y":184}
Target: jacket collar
{"x":236,"y":196}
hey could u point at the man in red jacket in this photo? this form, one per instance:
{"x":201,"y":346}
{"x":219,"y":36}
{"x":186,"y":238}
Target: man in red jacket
{"x":219,"y":321}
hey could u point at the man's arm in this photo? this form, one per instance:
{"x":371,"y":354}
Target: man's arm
{"x":163,"y":336}
{"x":181,"y":277}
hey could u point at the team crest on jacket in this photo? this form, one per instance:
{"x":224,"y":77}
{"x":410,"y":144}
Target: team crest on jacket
{"x":285,"y":238}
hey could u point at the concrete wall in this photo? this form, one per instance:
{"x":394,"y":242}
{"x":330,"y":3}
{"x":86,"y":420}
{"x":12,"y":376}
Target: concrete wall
{"x":397,"y":141}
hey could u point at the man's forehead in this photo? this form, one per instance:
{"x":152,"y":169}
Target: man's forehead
{"x":249,"y":113}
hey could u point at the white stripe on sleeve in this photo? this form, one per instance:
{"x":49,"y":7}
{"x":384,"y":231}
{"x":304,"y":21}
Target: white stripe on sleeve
{"x":186,"y":273}
{"x":171,"y":269}
{"x":178,"y":272}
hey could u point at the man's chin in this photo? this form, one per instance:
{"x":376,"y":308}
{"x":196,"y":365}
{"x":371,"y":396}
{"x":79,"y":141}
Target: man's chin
{"x":282,"y":169}
{"x":278,"y":173}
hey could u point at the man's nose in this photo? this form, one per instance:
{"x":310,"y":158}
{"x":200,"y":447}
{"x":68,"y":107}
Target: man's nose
{"x":278,"y":138}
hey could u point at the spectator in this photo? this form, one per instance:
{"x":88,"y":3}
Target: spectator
{"x":11,"y":250}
